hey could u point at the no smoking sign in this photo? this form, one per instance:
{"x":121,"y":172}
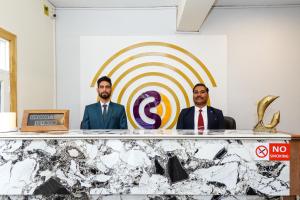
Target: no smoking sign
{"x":272,"y":151}
{"x":262,"y":151}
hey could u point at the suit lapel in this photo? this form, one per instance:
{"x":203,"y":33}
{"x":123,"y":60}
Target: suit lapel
{"x":191,"y":115}
{"x":109,"y":114}
{"x":210,"y":117}
{"x":99,"y":115}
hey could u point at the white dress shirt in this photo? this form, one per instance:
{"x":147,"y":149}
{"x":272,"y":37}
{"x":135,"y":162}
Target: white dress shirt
{"x":107,"y":103}
{"x":196,"y":116}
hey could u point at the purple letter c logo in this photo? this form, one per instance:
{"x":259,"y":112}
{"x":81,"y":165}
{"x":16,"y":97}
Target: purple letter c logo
{"x":155,"y":117}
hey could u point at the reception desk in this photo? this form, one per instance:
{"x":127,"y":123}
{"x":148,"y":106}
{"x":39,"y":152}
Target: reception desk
{"x":141,"y":164}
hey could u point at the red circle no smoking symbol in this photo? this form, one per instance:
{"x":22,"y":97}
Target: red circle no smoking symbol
{"x":261,"y":151}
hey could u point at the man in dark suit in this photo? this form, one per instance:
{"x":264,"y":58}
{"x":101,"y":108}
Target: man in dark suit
{"x":104,"y":114}
{"x":200,"y":117}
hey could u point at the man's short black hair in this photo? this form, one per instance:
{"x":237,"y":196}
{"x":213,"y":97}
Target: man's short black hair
{"x":104,"y":78}
{"x":201,"y":84}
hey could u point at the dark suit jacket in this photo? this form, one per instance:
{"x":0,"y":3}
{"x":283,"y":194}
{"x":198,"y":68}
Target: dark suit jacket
{"x":92,"y":118}
{"x":214,"y":116}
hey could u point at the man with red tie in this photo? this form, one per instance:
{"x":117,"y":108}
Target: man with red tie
{"x":200,"y":117}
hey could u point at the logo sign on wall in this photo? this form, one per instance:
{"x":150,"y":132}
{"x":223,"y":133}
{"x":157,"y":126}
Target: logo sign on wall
{"x":272,"y":151}
{"x":153,"y":77}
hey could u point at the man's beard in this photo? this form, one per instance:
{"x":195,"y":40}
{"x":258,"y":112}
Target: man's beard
{"x":104,"y":95}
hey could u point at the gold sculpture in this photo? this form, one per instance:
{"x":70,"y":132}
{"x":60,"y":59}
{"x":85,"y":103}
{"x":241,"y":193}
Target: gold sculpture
{"x":261,"y":109}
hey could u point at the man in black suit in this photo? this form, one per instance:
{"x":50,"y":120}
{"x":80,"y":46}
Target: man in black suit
{"x":200,"y":117}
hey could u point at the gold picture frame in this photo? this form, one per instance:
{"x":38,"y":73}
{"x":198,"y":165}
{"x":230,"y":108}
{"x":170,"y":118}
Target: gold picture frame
{"x":45,"y":120}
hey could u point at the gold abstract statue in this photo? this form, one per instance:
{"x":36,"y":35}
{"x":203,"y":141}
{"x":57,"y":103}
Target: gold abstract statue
{"x":261,"y":109}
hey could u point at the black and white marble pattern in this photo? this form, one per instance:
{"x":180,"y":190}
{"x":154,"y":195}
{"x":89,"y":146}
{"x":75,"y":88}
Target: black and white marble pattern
{"x":139,"y":197}
{"x":139,"y":168}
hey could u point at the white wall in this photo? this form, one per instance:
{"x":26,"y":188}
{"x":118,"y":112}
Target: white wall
{"x":71,"y":24}
{"x":35,"y":52}
{"x":263,"y":58}
{"x":263,"y":49}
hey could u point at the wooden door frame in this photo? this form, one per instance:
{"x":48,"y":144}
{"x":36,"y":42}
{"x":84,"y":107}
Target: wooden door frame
{"x":12,"y":39}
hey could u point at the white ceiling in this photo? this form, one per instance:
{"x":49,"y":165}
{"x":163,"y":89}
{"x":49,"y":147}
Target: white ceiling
{"x":162,"y":3}
{"x":222,"y":3}
{"x":190,"y":13}
{"x":113,"y":3}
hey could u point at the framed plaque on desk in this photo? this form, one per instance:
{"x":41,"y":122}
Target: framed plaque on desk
{"x":45,"y":120}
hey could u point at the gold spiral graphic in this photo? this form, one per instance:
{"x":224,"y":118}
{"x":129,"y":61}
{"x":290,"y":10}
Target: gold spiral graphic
{"x":159,"y":73}
{"x":166,"y":55}
{"x":164,"y":44}
{"x":154,"y":74}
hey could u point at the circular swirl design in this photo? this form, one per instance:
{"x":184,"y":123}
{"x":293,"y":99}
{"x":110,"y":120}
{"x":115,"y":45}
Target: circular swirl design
{"x":147,"y":108}
{"x":154,"y":81}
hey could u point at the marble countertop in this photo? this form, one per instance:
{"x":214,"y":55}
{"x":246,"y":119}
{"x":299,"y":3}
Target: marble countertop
{"x":142,"y":162}
{"x":146,"y":134}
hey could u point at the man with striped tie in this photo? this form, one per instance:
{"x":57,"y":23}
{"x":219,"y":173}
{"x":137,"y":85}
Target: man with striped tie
{"x":200,"y":117}
{"x":104,"y":114}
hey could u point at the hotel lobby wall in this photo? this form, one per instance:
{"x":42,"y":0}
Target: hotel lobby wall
{"x":73,"y":23}
{"x":263,"y":47}
{"x":35,"y":52}
{"x":263,"y":59}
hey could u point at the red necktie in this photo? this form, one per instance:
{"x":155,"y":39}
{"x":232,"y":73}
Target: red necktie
{"x":200,"y":122}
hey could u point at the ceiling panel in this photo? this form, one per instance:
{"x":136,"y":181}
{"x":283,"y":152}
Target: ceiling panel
{"x":256,"y":2}
{"x":113,"y":3}
{"x":161,"y":3}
